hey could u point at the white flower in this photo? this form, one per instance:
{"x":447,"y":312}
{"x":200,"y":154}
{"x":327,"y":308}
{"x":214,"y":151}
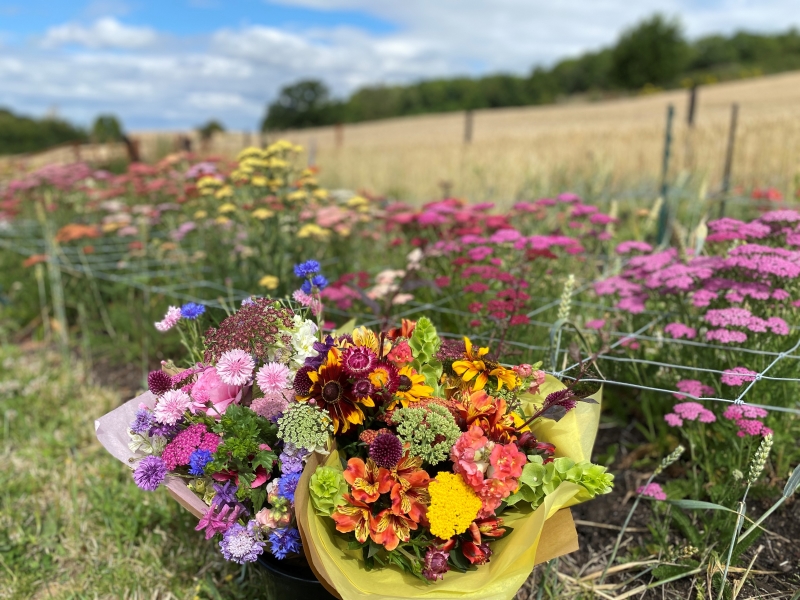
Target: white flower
{"x":303,"y":339}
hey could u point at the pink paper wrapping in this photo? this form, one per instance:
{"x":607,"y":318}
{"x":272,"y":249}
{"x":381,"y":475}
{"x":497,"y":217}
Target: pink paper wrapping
{"x":112,"y":431}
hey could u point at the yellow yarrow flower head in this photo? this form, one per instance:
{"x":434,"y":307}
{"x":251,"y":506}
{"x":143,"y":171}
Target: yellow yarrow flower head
{"x":224,"y":192}
{"x":222,"y":220}
{"x":296,"y":195}
{"x":320,"y":194}
{"x":226,"y":208}
{"x":454,"y":505}
{"x":248,"y":152}
{"x":208,"y":181}
{"x":269,"y":281}
{"x":259,"y":181}
{"x":200,"y":214}
{"x":357,"y":202}
{"x":313,"y":230}
{"x":262,"y":213}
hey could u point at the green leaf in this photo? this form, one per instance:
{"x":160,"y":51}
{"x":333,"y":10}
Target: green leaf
{"x":346,"y":328}
{"x":793,"y":483}
{"x":699,"y":505}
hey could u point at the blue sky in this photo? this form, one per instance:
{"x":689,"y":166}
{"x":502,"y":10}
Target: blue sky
{"x":175,"y":64}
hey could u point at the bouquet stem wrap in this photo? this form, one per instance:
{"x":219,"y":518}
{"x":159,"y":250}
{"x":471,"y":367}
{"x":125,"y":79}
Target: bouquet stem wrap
{"x":537,"y":536}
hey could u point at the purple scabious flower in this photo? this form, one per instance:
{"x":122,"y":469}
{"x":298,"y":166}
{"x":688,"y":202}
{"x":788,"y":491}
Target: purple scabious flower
{"x":287,"y":485}
{"x":143,"y":422}
{"x":192,"y":310}
{"x":150,"y":473}
{"x":285,"y":541}
{"x":306,"y":269}
{"x":198,"y":461}
{"x":292,"y":458}
{"x":242,"y":544}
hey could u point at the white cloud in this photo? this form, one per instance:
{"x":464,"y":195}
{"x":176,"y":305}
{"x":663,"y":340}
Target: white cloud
{"x":106,"y":32}
{"x":153,"y":80}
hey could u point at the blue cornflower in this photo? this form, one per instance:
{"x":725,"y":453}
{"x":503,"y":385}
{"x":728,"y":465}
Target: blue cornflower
{"x":285,"y":541}
{"x":305,"y":269}
{"x":192,"y":310}
{"x":143,"y":422}
{"x":287,"y":484}
{"x":320,"y":281}
{"x":198,"y":461}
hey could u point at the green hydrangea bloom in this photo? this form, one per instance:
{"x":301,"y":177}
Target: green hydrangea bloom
{"x":305,"y":427}
{"x":539,"y":479}
{"x":420,"y":427}
{"x":327,"y":487}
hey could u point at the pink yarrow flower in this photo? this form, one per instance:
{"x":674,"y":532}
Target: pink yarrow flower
{"x":652,"y":490}
{"x":596,"y":324}
{"x":235,"y":367}
{"x":272,"y":377}
{"x":170,"y":319}
{"x":679,"y":330}
{"x":737,"y":376}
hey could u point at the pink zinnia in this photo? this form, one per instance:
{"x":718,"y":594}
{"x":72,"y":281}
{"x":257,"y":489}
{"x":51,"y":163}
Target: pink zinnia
{"x":738,"y":376}
{"x":272,"y":377}
{"x":170,"y":319}
{"x":652,"y":490}
{"x":170,"y":407}
{"x":235,"y":367}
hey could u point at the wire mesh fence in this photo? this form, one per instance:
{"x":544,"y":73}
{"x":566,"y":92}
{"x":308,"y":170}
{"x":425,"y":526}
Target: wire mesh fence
{"x":112,"y":261}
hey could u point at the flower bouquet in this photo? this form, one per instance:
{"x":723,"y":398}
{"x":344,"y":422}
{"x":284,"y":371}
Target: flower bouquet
{"x":400,"y":463}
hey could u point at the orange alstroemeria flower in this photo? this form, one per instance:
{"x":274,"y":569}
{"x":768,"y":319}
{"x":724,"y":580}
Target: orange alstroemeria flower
{"x":403,"y":472}
{"x":368,"y":481}
{"x":490,"y":414}
{"x":413,"y":500}
{"x":353,"y":516}
{"x":389,"y":529}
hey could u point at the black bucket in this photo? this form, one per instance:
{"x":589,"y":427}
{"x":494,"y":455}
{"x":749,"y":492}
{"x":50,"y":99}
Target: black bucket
{"x":291,"y":579}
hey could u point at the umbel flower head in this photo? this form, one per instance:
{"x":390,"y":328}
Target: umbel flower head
{"x":306,"y":427}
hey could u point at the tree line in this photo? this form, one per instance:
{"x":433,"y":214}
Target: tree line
{"x":651,"y":55}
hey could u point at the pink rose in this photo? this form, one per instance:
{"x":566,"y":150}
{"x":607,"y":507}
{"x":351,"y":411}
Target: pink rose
{"x":210,"y":389}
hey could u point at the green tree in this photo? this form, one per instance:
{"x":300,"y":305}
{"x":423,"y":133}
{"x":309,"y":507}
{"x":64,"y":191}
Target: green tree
{"x":23,"y":134}
{"x":207,"y":131}
{"x":654,"y":52}
{"x":107,"y":129}
{"x":303,"y":104}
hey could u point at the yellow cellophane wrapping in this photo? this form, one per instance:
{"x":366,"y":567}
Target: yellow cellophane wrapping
{"x":342,"y":571}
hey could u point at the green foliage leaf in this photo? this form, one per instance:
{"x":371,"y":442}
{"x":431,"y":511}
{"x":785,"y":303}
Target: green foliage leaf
{"x":699,"y":505}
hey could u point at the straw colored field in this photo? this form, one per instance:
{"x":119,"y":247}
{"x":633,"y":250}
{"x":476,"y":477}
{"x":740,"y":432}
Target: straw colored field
{"x":538,"y":150}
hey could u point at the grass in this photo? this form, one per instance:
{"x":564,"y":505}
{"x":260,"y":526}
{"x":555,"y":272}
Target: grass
{"x":610,"y":145}
{"x":72,"y":522}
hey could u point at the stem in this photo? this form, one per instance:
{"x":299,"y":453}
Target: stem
{"x":622,"y":531}
{"x":763,"y":518}
{"x":736,"y":529}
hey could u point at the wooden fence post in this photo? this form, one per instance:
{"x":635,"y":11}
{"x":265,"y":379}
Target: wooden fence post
{"x":666,"y":210}
{"x":468,"y":116}
{"x":726,"y":174}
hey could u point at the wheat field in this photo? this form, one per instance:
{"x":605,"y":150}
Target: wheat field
{"x":608,"y":145}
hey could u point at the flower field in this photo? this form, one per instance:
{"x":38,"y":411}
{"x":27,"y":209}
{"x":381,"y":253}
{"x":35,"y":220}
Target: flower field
{"x":689,"y":322}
